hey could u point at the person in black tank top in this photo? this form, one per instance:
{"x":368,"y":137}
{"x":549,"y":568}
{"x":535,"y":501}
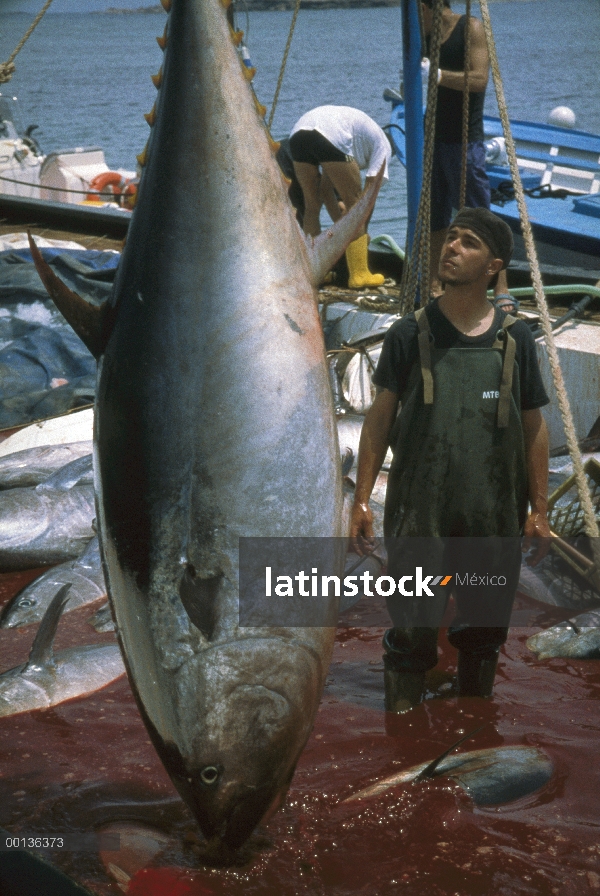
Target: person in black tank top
{"x":447,"y":159}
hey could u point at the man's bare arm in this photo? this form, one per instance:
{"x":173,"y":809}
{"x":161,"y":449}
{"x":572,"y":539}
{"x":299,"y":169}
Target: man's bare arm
{"x":535,"y":434}
{"x":479,"y":64}
{"x":374,"y":441}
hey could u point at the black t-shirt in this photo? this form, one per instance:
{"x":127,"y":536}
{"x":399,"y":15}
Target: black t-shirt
{"x":448,"y":110}
{"x":401,"y":350}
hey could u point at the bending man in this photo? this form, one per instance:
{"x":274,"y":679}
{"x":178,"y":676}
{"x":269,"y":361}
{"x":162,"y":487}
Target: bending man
{"x":470,"y":449}
{"x":341,"y":142}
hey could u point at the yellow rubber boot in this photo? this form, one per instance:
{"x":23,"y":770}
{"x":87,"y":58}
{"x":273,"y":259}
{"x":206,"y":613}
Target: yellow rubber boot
{"x":360,"y":275}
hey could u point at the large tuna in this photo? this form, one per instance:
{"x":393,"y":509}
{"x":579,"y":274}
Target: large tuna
{"x":213,"y":421}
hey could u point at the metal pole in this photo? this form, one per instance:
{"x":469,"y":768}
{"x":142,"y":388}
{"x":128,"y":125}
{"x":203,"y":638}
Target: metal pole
{"x":413,"y":104}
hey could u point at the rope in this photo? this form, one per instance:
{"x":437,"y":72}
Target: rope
{"x":591,"y":524}
{"x":283,"y":64}
{"x":465,"y":109}
{"x":7,"y":68}
{"x":418,"y":264}
{"x":25,"y":183}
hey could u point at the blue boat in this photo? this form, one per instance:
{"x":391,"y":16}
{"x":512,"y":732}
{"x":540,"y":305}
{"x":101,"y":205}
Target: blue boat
{"x":560,"y":172}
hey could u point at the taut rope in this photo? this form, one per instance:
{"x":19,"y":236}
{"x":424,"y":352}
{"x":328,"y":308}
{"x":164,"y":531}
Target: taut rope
{"x":465,"y":109}
{"x":591,"y":524}
{"x":283,"y":65}
{"x":419,"y":257}
{"x":7,"y":68}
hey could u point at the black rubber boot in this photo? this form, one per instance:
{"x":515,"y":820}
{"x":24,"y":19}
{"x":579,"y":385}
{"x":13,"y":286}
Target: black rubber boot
{"x":476,"y":674}
{"x":403,"y":690}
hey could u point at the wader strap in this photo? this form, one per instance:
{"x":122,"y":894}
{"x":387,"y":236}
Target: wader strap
{"x":425,"y":355}
{"x":510,"y":348}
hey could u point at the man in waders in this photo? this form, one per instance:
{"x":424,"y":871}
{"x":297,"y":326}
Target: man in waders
{"x":470,"y":450}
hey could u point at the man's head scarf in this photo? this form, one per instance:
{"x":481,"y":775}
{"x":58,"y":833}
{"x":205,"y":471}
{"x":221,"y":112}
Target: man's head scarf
{"x":494,"y":232}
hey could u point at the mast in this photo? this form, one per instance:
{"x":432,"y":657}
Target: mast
{"x":412,"y":52}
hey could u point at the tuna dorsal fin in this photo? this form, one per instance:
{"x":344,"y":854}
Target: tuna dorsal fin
{"x":41,"y":652}
{"x":89,"y":321}
{"x":430,"y":770}
{"x":325,"y":249}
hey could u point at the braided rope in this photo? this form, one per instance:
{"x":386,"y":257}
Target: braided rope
{"x":7,"y":69}
{"x":591,"y":524}
{"x":465,"y":109}
{"x":418,"y":264}
{"x":283,"y":64}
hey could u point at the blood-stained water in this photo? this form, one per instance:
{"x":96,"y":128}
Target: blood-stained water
{"x":87,"y":765}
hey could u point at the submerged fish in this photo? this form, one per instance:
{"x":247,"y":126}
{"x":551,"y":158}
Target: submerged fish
{"x":490,"y":777}
{"x":577,"y":638}
{"x":48,"y":678}
{"x":213,"y":421}
{"x":50,"y":523}
{"x":85,"y":576}
{"x":27,"y":468}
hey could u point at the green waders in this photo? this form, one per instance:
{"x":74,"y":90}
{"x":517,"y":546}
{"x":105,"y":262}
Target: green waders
{"x":458,"y":475}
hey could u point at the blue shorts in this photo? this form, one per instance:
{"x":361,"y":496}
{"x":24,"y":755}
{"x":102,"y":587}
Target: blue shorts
{"x":445,"y":181}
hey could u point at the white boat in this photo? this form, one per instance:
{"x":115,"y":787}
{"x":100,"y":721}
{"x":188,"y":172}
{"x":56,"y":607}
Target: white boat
{"x":77,"y":176}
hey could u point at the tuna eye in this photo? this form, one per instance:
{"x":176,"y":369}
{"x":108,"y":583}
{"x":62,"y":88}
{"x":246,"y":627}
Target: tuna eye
{"x":26,"y":602}
{"x":209,"y":775}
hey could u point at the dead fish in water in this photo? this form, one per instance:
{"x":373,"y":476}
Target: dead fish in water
{"x":212,"y":364}
{"x":85,"y":576}
{"x":50,"y":523}
{"x":577,"y":638}
{"x":47,"y":679}
{"x":490,"y":777}
{"x":102,"y":620}
{"x":28,"y":468}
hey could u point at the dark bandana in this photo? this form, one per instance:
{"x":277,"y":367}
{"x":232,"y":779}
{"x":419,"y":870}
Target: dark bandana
{"x":494,"y":232}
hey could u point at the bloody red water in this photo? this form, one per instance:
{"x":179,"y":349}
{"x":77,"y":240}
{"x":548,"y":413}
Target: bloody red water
{"x":88,"y":765}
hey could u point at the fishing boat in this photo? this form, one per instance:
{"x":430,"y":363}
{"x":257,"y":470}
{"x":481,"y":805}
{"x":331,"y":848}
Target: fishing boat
{"x":69,"y":185}
{"x":560,"y":172}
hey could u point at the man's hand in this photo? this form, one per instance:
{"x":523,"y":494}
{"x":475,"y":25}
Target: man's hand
{"x":361,"y":529}
{"x":537,"y":535}
{"x":425,"y":66}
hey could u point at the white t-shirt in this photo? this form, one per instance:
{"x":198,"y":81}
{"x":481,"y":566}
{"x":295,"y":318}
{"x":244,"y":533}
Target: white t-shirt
{"x":353,"y":133}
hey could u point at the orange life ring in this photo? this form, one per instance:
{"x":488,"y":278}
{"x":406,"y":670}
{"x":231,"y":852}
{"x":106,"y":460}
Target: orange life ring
{"x":98,"y":184}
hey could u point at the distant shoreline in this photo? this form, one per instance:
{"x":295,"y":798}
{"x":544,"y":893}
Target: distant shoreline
{"x":262,"y":5}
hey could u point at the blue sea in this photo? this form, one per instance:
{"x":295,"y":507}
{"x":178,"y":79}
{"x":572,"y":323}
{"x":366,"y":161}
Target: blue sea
{"x":85,"y":78}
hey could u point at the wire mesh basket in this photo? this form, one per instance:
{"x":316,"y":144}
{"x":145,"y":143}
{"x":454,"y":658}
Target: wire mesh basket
{"x":566,"y":519}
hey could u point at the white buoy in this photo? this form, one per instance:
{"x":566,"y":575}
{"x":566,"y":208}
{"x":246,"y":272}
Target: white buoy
{"x":562,"y":117}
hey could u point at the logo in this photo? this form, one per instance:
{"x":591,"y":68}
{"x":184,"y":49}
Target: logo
{"x":491,"y":394}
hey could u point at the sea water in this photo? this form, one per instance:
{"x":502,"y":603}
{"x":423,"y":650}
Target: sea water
{"x":85,"y":78}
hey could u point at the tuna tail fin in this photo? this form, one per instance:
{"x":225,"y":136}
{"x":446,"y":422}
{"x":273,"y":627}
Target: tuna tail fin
{"x":325,"y":249}
{"x":41,"y":651}
{"x":430,"y":770}
{"x":89,"y":321}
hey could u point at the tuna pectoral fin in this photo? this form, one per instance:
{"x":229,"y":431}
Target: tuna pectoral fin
{"x":41,"y":652}
{"x":198,"y":596}
{"x":324,"y":250}
{"x":90,"y":322}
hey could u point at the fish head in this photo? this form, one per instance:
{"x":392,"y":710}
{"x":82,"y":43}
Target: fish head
{"x":255,"y":701}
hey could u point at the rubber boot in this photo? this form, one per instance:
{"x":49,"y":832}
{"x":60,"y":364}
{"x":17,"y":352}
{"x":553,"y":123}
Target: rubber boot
{"x":360,"y":275}
{"x":402,"y":690}
{"x":476,"y":674}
